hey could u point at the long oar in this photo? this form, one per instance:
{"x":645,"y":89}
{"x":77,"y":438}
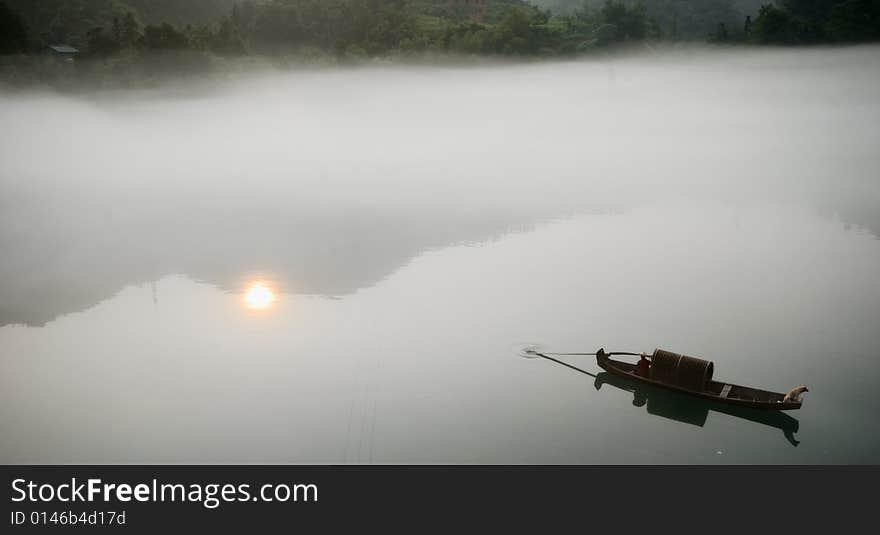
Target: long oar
{"x":567,"y":365}
{"x":589,"y":354}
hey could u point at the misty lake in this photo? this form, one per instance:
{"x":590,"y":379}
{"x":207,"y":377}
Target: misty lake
{"x":344,"y":265}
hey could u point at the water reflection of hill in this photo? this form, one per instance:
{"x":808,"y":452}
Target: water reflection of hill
{"x":68,"y":261}
{"x":69,"y":255}
{"x":853,"y":210}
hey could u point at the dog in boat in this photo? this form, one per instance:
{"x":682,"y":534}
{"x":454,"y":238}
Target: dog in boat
{"x":794,"y":395}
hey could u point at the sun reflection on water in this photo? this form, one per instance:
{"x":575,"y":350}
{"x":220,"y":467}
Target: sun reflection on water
{"x":259,"y":296}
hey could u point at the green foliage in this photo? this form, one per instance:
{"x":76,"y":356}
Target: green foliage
{"x":281,"y":25}
{"x":513,"y":34}
{"x":678,"y":19}
{"x":122,"y":34}
{"x":774,"y":25}
{"x":146,"y":39}
{"x":816,"y":21}
{"x":721,"y":34}
{"x":854,"y":21}
{"x":163,"y":37}
{"x":693,"y":19}
{"x":180,"y":12}
{"x":226,"y":41}
{"x":629,"y":23}
{"x":65,"y":21}
{"x":13,"y":34}
{"x":809,"y":10}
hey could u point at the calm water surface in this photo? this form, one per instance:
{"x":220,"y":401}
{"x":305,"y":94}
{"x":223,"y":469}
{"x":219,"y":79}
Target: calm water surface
{"x":343,"y":266}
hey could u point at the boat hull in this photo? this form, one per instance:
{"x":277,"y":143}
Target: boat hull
{"x":729,"y":394}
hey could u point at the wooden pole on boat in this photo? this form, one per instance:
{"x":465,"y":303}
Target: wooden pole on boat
{"x":567,"y":365}
{"x":594,"y":354}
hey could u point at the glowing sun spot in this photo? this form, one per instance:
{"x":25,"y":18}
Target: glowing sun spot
{"x":258,"y":296}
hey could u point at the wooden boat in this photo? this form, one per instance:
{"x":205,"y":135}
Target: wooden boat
{"x":693,"y":376}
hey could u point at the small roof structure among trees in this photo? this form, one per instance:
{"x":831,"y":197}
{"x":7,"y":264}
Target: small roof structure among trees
{"x":66,"y":52}
{"x":64,"y":49}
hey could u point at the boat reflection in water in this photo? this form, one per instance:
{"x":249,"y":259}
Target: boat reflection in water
{"x":694,"y":411}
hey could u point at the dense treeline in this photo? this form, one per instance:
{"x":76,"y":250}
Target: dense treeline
{"x":674,"y":19}
{"x":769,"y":21}
{"x":13,"y":32}
{"x":118,"y":34}
{"x":69,"y":21}
{"x":817,"y":21}
{"x":348,"y":28}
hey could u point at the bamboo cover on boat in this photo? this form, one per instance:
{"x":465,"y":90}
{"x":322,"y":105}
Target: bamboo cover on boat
{"x":681,"y":370}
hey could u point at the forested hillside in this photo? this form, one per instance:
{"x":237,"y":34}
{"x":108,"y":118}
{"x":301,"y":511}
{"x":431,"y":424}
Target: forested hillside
{"x":801,"y":22}
{"x":678,"y":19}
{"x":119,"y":36}
{"x":70,"y":20}
{"x":777,"y":21}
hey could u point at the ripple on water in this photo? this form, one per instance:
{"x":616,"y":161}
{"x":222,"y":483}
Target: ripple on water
{"x":527,"y":350}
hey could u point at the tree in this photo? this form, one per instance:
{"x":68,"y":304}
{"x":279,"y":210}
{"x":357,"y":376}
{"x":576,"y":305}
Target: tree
{"x":227,"y":40}
{"x":774,"y":25}
{"x":123,"y":34}
{"x":721,"y":34}
{"x":809,"y":10}
{"x":13,"y":34}
{"x":512,"y":34}
{"x":102,"y":42}
{"x":163,"y":37}
{"x":127,"y":30}
{"x":630,"y":23}
{"x":854,"y":21}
